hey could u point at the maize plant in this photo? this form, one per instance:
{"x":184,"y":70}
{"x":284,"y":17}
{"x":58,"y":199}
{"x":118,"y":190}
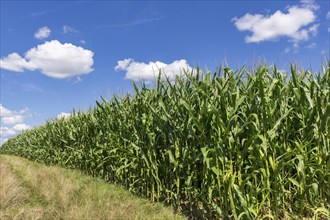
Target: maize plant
{"x":231,"y":145}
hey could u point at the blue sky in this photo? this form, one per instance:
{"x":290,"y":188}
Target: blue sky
{"x":62,"y":55}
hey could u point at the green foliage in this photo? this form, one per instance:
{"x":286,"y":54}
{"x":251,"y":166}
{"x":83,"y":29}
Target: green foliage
{"x":241,"y":145}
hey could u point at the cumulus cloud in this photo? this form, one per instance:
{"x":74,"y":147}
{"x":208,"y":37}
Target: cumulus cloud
{"x":63,"y":115}
{"x":9,"y":117}
{"x":13,"y":121}
{"x":296,"y":24}
{"x":53,"y":59}
{"x":14,"y":62}
{"x":68,"y":29}
{"x":6,"y":132}
{"x":148,"y":72}
{"x":42,"y":33}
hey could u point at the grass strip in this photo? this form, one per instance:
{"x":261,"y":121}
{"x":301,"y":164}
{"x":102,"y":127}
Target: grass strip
{"x":34,"y":191}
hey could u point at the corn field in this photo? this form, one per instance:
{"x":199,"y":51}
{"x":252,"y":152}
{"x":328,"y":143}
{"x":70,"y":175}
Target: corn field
{"x":229,"y":145}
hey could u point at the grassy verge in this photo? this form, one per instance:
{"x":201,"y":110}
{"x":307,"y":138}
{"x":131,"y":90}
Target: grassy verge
{"x":30,"y":190}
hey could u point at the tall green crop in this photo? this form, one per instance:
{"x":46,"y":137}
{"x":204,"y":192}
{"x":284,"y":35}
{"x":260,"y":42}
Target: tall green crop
{"x":241,"y":145}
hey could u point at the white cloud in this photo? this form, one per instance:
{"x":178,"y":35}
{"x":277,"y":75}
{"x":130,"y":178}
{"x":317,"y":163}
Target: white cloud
{"x":4,"y":112}
{"x":68,"y":29}
{"x":123,"y":64}
{"x":53,"y":59}
{"x":314,"y":29}
{"x":12,"y":119}
{"x":21,"y":127}
{"x":14,"y":122}
{"x":14,"y":62}
{"x":311,"y":4}
{"x":293,"y":24}
{"x":7,"y":132}
{"x":63,"y":115}
{"x":287,"y":50}
{"x":9,"y":117}
{"x":149,"y":71}
{"x":42,"y":33}
{"x":311,"y":46}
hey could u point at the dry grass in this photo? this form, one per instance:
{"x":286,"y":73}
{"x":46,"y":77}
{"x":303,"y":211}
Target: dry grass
{"x":14,"y":202}
{"x":11,"y":191}
{"x":34,"y":191}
